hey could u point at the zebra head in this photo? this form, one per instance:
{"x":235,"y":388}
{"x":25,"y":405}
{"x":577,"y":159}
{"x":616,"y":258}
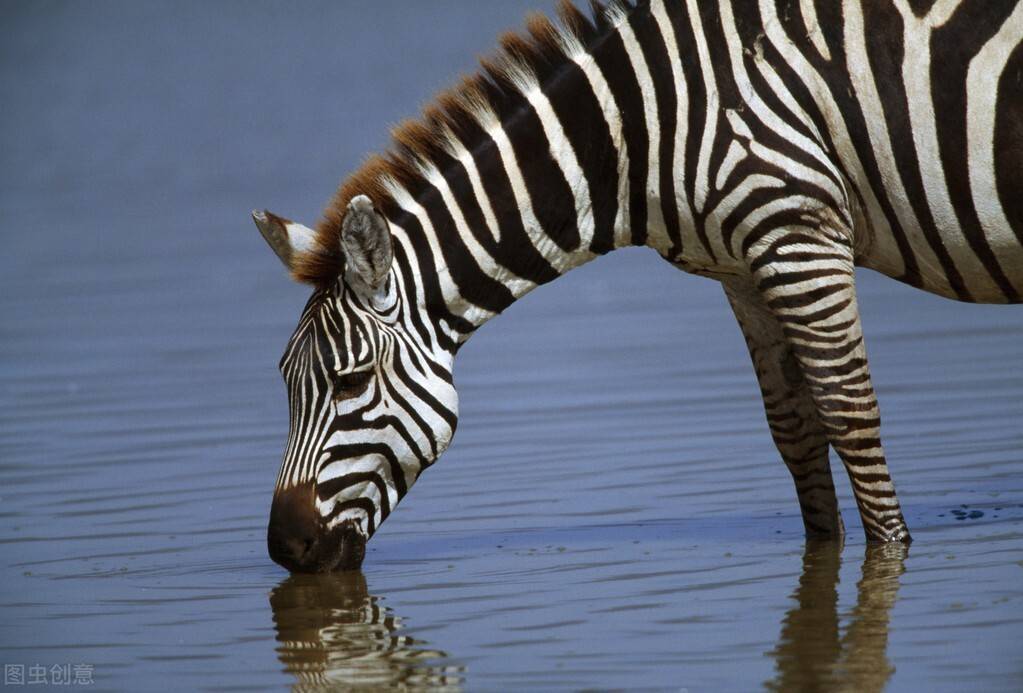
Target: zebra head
{"x":371,"y":405}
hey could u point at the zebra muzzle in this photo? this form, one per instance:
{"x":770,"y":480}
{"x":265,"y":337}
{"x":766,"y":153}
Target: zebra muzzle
{"x":298,"y":539}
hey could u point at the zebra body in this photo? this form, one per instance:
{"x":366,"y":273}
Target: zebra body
{"x":771,"y":145}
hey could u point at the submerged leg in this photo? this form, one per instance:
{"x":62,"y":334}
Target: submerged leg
{"x":805,"y":278}
{"x":790,"y":408}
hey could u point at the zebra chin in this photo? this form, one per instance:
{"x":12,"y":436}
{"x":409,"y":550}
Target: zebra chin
{"x":299,"y":540}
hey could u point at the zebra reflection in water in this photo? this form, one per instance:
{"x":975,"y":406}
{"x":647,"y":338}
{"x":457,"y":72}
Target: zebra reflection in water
{"x":333,"y":632}
{"x":811,"y":654}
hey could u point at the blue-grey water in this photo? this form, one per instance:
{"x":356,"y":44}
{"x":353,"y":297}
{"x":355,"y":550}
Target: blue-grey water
{"x":612,"y":514}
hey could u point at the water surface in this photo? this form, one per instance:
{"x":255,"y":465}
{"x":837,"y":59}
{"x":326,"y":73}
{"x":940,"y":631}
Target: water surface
{"x":612,"y":513}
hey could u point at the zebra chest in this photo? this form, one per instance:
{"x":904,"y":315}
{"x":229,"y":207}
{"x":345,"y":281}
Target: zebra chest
{"x":702,"y":268}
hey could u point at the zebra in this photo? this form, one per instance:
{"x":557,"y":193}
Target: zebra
{"x":772,"y":145}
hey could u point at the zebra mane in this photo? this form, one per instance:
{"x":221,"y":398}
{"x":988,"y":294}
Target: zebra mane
{"x":525,"y":61}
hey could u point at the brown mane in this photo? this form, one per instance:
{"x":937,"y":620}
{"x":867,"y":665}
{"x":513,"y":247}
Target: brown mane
{"x":539,"y":51}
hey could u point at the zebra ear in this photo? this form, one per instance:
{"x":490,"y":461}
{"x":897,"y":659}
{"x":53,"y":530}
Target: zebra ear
{"x":288,"y":239}
{"x":366,"y":242}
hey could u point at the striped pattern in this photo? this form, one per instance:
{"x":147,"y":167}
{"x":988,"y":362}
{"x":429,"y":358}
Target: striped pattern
{"x":772,"y":145}
{"x":332,"y":634}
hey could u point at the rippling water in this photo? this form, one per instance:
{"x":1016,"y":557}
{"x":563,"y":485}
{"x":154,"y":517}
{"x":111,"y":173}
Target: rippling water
{"x":612,"y":513}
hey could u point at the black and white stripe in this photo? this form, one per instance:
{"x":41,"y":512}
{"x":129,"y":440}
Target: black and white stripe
{"x":772,"y":145}
{"x":332,"y":633}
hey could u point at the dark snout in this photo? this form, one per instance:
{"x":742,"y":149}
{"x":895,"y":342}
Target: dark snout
{"x":299,"y":540}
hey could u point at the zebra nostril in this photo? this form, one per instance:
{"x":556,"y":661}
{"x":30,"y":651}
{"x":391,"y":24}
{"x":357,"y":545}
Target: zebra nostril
{"x":299,"y":548}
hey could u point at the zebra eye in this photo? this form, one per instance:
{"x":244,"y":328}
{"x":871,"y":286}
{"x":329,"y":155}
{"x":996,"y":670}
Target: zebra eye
{"x":351,"y":384}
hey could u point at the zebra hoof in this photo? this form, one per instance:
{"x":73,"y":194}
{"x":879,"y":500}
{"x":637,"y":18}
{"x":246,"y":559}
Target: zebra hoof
{"x":899,"y":535}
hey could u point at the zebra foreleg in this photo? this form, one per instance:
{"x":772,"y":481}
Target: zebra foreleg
{"x":791,"y":411}
{"x":805,"y":278}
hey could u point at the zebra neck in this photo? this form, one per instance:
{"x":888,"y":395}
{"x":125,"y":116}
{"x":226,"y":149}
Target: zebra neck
{"x":553,"y":172}
{"x":477,"y":242}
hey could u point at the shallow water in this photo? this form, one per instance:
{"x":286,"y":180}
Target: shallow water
{"x":612,"y":513}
